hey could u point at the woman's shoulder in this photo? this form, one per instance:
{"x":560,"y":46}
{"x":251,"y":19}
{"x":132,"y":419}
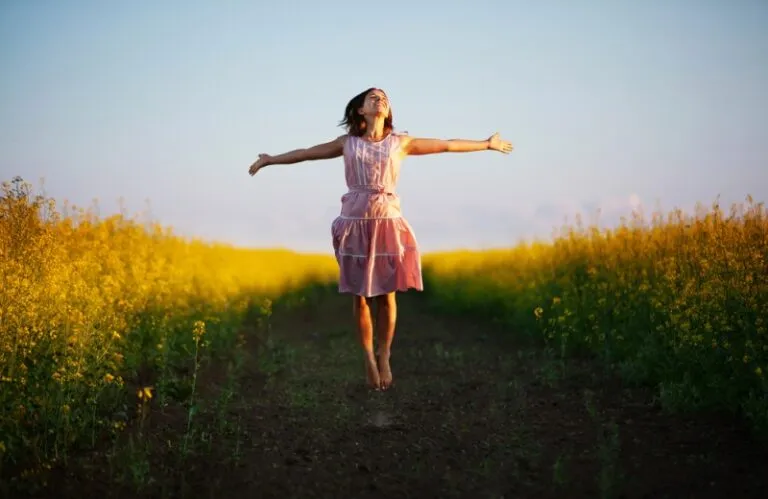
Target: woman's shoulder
{"x":342,"y":139}
{"x":400,"y":138}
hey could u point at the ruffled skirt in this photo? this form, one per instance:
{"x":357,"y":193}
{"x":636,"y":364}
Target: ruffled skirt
{"x":376,"y":256}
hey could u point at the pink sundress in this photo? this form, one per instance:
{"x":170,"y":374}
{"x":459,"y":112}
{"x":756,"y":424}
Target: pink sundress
{"x":374,"y":245}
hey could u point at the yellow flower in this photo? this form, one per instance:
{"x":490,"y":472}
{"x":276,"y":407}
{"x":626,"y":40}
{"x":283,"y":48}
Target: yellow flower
{"x":144,"y":393}
{"x":198,"y":329}
{"x":759,"y":371}
{"x":108,"y":378}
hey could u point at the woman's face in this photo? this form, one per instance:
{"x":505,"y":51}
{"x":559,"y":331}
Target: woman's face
{"x":375,"y":104}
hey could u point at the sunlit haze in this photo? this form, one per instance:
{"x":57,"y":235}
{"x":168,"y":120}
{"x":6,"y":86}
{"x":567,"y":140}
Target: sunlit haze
{"x":610,"y":105}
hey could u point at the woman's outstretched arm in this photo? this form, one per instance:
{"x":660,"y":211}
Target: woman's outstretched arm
{"x":419,"y":146}
{"x":327,"y":150}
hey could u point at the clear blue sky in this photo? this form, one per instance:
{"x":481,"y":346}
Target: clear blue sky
{"x":607,"y":103}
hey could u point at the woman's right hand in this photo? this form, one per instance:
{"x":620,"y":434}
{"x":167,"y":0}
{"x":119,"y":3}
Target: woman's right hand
{"x":260,"y":163}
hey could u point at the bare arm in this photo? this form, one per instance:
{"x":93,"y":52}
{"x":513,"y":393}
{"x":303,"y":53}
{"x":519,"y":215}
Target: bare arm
{"x":420,"y":146}
{"x":326,"y":150}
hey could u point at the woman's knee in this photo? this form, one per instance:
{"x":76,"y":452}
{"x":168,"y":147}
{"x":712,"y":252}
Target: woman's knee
{"x":387,"y":300}
{"x":359,"y":303}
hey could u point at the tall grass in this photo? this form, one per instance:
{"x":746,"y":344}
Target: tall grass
{"x":679,"y":301}
{"x":92,"y":310}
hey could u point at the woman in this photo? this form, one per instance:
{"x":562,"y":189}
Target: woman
{"x":374,"y":245}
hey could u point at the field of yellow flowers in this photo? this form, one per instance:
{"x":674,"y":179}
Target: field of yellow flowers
{"x":679,"y":301}
{"x":85,"y":303}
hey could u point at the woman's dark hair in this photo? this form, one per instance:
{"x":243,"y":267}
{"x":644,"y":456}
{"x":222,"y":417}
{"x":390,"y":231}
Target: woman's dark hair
{"x":355,"y":122}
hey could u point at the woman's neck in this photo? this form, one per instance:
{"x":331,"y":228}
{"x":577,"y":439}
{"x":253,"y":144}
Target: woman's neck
{"x":374,"y":129}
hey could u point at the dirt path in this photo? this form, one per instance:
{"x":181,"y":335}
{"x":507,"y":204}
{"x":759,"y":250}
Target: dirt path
{"x":469,"y":416}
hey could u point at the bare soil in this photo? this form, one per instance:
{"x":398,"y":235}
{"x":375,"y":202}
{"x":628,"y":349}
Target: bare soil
{"x":473,"y":413}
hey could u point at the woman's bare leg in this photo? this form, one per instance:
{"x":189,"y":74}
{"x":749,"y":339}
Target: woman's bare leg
{"x":362,"y":312}
{"x":386,"y":317}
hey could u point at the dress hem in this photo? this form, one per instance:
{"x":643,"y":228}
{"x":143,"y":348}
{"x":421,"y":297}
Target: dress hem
{"x":400,"y":289}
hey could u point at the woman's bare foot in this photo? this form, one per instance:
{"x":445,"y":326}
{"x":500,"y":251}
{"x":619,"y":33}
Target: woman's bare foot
{"x":385,"y":371}
{"x":372,"y":371}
